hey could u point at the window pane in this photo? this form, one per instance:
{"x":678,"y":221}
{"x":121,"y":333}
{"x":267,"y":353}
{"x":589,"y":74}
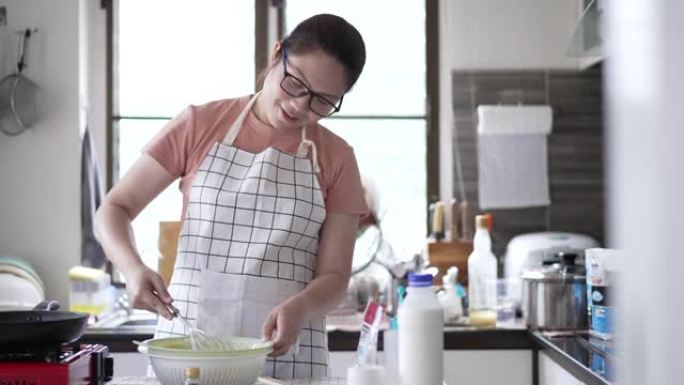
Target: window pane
{"x":134,"y":135}
{"x":391,"y":155}
{"x":393,"y":80}
{"x":176,"y":52}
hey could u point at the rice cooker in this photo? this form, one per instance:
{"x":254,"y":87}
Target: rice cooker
{"x":528,"y":251}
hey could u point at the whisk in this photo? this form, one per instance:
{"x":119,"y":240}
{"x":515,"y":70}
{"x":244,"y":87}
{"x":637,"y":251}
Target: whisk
{"x":200,"y":340}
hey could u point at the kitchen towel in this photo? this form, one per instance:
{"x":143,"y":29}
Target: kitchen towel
{"x":512,"y":156}
{"x":92,"y":254}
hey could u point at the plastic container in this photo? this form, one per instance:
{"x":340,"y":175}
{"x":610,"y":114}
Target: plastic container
{"x":89,"y":290}
{"x":482,"y":277}
{"x":508,"y":291}
{"x":390,"y":344}
{"x":421,"y":331}
{"x":449,"y":299}
{"x":390,"y":339}
{"x":601,"y":273}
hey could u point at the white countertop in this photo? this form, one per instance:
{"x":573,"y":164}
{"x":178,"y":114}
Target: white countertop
{"x":153,"y":381}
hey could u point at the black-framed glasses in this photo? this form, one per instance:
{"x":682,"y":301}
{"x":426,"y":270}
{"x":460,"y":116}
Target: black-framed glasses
{"x":295,"y":87}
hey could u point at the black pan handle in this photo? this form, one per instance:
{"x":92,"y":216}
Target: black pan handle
{"x":50,"y":305}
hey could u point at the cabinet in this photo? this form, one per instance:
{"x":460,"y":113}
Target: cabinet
{"x":129,"y":364}
{"x":550,"y":373}
{"x":338,"y":362}
{"x":482,"y":367}
{"x":488,"y":367}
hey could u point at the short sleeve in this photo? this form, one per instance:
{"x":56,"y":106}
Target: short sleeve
{"x":345,"y":192}
{"x":172,"y":145}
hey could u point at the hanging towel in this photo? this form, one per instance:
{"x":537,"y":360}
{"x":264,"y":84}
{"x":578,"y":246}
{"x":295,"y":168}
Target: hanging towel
{"x":92,"y":254}
{"x":512,"y":156}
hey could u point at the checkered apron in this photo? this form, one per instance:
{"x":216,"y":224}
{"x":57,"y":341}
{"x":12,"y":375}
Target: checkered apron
{"x":249,"y":242}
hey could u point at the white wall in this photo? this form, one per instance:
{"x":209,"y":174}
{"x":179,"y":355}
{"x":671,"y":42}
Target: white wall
{"x":645,"y":95}
{"x":40,"y":169}
{"x":498,"y":35}
{"x":520,"y":34}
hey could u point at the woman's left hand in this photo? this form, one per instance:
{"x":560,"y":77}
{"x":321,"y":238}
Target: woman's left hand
{"x":283,"y":324}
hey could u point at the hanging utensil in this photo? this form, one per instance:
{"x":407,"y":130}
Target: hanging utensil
{"x":20,"y":97}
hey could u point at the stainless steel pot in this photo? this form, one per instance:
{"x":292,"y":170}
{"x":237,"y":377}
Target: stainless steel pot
{"x":555,"y":298}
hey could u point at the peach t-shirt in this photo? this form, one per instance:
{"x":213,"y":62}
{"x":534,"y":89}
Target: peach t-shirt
{"x":181,"y":146}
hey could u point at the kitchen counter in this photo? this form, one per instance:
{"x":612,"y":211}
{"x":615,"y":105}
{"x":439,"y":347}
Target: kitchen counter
{"x":153,"y":381}
{"x":588,"y":360}
{"x":343,"y":335}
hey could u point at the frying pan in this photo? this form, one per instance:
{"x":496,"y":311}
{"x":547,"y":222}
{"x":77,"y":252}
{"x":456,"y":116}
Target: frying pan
{"x":42,"y":327}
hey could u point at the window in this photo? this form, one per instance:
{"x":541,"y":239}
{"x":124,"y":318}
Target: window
{"x":168,"y":54}
{"x":383,"y":117}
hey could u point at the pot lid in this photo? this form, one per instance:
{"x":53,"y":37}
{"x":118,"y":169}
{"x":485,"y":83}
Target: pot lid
{"x":555,"y":272}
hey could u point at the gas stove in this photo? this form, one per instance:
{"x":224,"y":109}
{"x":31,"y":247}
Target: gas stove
{"x":62,"y":365}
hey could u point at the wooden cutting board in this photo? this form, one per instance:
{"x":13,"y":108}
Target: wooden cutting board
{"x":168,"y":248}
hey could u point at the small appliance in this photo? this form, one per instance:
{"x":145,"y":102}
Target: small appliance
{"x":528,"y":251}
{"x":67,"y":364}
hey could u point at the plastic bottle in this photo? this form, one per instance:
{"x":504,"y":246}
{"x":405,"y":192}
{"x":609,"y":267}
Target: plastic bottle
{"x":482,"y":277}
{"x":391,"y":344}
{"x":192,"y":376}
{"x":421,"y":331}
{"x":449,"y":298}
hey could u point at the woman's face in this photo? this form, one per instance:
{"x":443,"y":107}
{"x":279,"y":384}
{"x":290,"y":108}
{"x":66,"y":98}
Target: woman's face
{"x":313,"y":71}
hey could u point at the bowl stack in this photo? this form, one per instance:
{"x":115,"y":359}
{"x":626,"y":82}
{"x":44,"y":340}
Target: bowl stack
{"x":20,"y":286}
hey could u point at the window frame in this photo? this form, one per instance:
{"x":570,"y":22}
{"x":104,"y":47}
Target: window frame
{"x":266,"y":34}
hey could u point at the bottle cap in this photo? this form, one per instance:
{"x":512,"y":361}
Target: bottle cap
{"x":419,"y":280}
{"x":481,"y":222}
{"x":192,"y":373}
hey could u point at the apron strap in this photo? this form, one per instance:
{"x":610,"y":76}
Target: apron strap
{"x":302,"y":151}
{"x":234,"y":130}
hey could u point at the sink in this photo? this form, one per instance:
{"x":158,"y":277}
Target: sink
{"x":140,"y":322}
{"x":121,"y":319}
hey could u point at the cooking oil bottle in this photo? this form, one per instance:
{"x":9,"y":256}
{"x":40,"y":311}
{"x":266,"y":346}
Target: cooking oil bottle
{"x":192,"y":376}
{"x":482,"y":277}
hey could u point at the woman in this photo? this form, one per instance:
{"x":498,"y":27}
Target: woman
{"x":271,"y":205}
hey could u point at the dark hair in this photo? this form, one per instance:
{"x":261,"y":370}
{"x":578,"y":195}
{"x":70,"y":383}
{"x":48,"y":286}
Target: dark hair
{"x":334,"y":36}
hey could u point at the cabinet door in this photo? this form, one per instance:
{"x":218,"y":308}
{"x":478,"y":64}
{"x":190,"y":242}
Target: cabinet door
{"x":550,"y":373}
{"x":338,"y":362}
{"x":129,"y":364}
{"x":488,"y":367}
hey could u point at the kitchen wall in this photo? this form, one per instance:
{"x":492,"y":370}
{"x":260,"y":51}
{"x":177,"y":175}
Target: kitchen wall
{"x":510,"y":52}
{"x":497,"y":35}
{"x":40,"y":169}
{"x":575,"y":146}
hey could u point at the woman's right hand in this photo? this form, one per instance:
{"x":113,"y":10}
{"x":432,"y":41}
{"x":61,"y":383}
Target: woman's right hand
{"x":146,"y":290}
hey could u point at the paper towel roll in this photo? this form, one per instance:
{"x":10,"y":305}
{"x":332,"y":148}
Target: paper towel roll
{"x":514,"y":120}
{"x":512,"y":156}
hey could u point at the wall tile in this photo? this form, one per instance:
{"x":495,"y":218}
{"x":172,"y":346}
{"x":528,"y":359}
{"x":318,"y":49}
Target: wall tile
{"x":575,"y":147}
